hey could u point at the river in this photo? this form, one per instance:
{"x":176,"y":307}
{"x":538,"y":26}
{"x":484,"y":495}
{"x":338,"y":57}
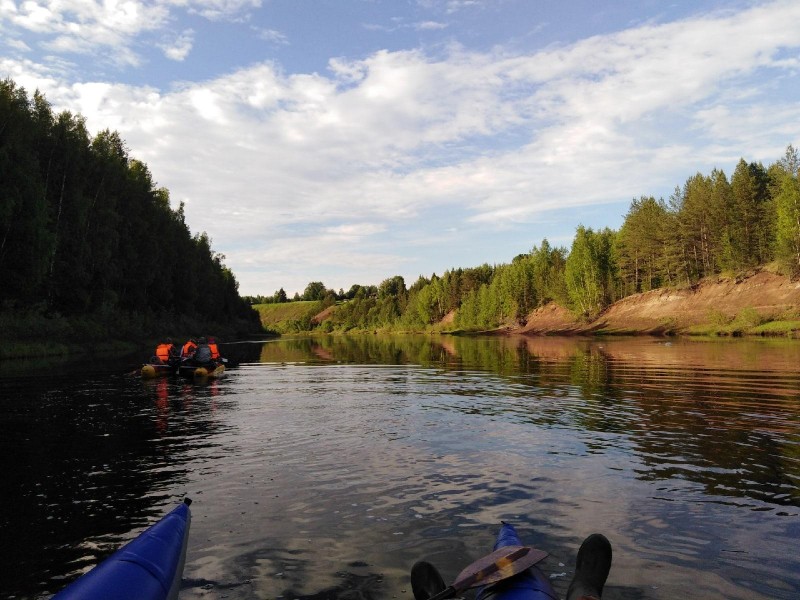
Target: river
{"x":324,"y":468}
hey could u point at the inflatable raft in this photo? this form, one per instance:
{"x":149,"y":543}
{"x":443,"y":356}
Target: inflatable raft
{"x":149,"y":567}
{"x":151,"y":370}
{"x":531,"y":584}
{"x":211,"y":372}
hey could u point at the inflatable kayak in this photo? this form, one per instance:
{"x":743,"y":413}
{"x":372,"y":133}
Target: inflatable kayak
{"x":210,"y":372}
{"x":151,"y":370}
{"x":531,"y":584}
{"x":149,"y":567}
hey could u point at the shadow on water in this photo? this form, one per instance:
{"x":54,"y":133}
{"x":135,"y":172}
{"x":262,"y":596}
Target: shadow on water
{"x":88,"y":461}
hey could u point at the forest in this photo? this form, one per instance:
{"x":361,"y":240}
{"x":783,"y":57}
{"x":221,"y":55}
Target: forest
{"x":91,"y":248}
{"x":711,"y":225}
{"x":89,"y":245}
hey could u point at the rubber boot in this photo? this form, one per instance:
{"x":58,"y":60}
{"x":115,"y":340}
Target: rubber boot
{"x":425,"y":580}
{"x":591,"y":569}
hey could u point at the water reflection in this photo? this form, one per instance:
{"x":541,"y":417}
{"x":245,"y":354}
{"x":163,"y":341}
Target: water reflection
{"x":720,"y":414}
{"x":325,"y":467}
{"x":91,"y":460}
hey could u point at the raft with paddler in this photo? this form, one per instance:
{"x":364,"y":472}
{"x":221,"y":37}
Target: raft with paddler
{"x":198,"y":359}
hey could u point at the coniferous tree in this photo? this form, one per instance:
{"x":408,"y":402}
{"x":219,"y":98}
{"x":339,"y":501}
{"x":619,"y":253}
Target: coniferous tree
{"x":641,"y":246}
{"x":748,"y":226}
{"x":83,"y":227}
{"x":698,"y":238}
{"x":25,"y":240}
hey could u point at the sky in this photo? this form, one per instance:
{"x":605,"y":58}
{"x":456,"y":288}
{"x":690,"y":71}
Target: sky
{"x":349,"y":141}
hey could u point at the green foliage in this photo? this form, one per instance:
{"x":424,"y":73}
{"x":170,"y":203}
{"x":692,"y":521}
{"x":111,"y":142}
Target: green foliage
{"x":290,"y":317}
{"x":776,"y":328}
{"x":642,"y":247}
{"x":548,"y":265}
{"x":83,"y":229}
{"x":590,"y":271}
{"x":787,"y":204}
{"x":710,"y":225}
{"x":748,"y":317}
{"x":747,"y":230}
{"x":314,"y":291}
{"x":747,"y":321}
{"x":718,"y":318}
{"x":696,"y":234}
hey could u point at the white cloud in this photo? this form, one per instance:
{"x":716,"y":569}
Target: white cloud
{"x":457,"y":5}
{"x":18,"y":45}
{"x":112,"y":28}
{"x":227,"y":10}
{"x":429,"y":26}
{"x":86,"y":26}
{"x":355,"y":230}
{"x":451,"y":6}
{"x":484,"y":138}
{"x":180,"y":48}
{"x":272,"y":35}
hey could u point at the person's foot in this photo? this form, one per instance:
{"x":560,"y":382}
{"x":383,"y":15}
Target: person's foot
{"x":591,"y":568}
{"x":425,"y":580}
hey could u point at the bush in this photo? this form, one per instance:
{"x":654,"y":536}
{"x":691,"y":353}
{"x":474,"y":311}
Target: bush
{"x":718,"y":318}
{"x":748,"y":318}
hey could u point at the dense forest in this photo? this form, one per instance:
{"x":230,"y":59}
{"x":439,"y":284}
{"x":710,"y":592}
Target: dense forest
{"x":712,"y":225}
{"x":85,"y":231}
{"x":88,"y":241}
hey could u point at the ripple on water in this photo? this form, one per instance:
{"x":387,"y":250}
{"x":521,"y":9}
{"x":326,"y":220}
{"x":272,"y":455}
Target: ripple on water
{"x":318,"y":474}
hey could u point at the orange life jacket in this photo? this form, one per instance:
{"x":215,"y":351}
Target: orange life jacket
{"x":214,"y":350}
{"x":188,"y":348}
{"x":163,"y":351}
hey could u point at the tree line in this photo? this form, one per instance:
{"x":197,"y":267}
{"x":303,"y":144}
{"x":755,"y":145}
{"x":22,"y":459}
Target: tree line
{"x":711,"y":225}
{"x":84,"y":228}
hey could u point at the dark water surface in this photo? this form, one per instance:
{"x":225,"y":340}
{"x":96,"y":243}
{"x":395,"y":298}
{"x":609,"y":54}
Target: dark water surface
{"x":325,"y":468}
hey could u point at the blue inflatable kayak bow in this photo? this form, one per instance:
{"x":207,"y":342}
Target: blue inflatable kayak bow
{"x":531,"y":584}
{"x":149,"y":567}
{"x":508,"y":561}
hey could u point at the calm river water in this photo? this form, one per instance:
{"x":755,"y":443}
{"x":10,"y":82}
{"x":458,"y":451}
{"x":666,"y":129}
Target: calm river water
{"x":324,"y":468}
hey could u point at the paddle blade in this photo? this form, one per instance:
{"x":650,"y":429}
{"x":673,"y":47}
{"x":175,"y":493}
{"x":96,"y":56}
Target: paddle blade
{"x":500,"y":564}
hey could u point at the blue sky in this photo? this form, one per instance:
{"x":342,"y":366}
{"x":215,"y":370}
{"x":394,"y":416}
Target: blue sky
{"x":347,"y":141}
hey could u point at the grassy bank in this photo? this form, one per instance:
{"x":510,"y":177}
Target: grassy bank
{"x":288,"y":317}
{"x":748,"y":322}
{"x":310,"y":318}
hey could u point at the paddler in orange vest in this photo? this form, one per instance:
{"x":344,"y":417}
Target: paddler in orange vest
{"x":188,"y":349}
{"x":212,"y":343}
{"x":166,"y":351}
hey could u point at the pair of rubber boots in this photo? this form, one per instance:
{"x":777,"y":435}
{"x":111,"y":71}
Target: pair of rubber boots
{"x":591,"y":571}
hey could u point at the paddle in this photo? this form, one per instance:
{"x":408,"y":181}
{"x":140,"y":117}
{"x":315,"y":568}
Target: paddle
{"x":500,"y":564}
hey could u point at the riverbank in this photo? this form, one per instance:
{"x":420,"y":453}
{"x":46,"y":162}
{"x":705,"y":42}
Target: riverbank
{"x":32,"y":334}
{"x":760,"y":304}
